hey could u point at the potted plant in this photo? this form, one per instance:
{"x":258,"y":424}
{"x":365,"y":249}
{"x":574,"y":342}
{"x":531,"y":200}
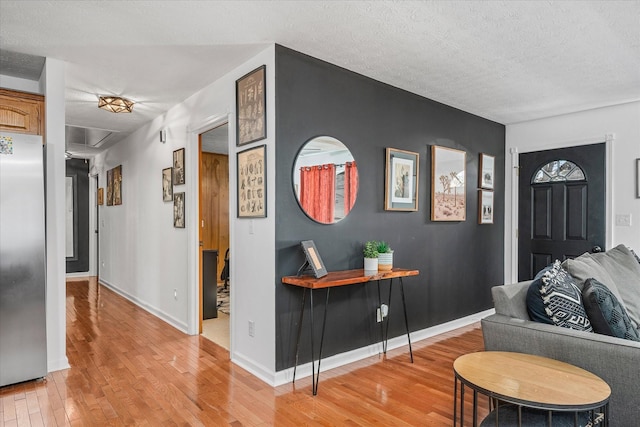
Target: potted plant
{"x":370,"y":252}
{"x":385,"y":256}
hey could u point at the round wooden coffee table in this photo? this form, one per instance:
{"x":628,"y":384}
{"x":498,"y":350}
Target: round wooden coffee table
{"x":529,"y":381}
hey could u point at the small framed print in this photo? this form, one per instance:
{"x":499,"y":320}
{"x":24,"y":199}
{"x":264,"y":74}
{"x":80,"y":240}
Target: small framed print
{"x":485,"y":207}
{"x":313,"y":258}
{"x":167,"y":184}
{"x":100,"y":196}
{"x":252,"y":182}
{"x":448,"y":184}
{"x":178,"y":210}
{"x":486,"y":171}
{"x":178,"y":166}
{"x":251,"y":107}
{"x":401,"y":180}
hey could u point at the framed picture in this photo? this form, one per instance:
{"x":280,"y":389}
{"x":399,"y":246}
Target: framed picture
{"x":252,"y":182}
{"x":178,"y":166}
{"x":117,"y":185}
{"x":448,"y":189}
{"x":178,"y":210}
{"x":110,"y":187}
{"x":485,"y":207}
{"x":401,"y":180}
{"x":486,"y":171}
{"x":251,"y":107}
{"x":100,"y":196}
{"x":167,"y":184}
{"x":313,"y":259}
{"x":637,"y":178}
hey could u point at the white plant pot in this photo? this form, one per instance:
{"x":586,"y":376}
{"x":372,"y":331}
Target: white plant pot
{"x":385,"y":261}
{"x":371,"y":264}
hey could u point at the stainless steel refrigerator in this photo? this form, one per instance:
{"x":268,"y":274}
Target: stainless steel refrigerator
{"x":23,"y":340}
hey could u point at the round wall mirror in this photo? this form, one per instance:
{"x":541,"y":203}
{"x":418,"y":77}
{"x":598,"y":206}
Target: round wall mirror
{"x":325,"y":179}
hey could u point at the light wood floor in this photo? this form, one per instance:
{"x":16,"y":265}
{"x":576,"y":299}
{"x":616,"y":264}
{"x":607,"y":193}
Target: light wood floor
{"x":130,"y":368}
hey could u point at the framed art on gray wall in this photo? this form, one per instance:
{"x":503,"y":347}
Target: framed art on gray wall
{"x":251,"y":107}
{"x":167,"y":184}
{"x":252,"y":183}
{"x":178,"y":210}
{"x":486,"y":171}
{"x":485,"y":207}
{"x":178,"y":166}
{"x":448,"y":189}
{"x":401,"y":180}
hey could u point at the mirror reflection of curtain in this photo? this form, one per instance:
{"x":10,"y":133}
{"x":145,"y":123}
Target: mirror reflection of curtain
{"x":317,"y":191}
{"x":350,"y":186}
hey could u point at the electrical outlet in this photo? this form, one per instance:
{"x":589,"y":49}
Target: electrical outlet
{"x":252,"y":328}
{"x":382,"y":312}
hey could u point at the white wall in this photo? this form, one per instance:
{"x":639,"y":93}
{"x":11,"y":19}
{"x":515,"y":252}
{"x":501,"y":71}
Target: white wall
{"x":52,"y":82}
{"x":145,"y":258}
{"x":623,"y":122}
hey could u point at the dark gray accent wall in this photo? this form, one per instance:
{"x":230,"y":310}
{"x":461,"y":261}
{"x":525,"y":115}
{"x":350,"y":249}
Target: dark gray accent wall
{"x":79,"y":170}
{"x":458,"y":261}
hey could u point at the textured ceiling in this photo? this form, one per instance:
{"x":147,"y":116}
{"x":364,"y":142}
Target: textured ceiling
{"x":507,"y":61}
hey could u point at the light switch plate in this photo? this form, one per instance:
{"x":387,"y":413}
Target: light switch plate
{"x":623,"y":220}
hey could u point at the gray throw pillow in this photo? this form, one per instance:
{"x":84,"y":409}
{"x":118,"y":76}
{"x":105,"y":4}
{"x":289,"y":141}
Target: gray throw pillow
{"x":563,"y":300}
{"x":616,"y":267}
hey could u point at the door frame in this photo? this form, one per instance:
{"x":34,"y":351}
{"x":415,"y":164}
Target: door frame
{"x":513,"y":165}
{"x":193,"y":208}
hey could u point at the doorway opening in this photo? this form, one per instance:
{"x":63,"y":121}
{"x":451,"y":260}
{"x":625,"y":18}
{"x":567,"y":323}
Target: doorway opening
{"x":215,"y":289}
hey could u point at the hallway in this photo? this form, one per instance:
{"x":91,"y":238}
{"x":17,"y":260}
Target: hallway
{"x":130,"y":368}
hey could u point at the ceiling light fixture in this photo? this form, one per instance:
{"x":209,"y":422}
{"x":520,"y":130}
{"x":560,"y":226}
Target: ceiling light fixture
{"x":115,"y":104}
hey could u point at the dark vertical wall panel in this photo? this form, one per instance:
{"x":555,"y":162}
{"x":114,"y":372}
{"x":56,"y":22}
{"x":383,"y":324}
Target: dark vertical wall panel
{"x":80,"y":170}
{"x":458,"y":261}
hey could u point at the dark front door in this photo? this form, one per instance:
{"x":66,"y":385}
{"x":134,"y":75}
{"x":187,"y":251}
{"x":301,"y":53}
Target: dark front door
{"x":561,"y":205}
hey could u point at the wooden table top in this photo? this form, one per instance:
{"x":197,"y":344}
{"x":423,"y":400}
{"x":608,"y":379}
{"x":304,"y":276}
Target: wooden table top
{"x":532,"y":380}
{"x":346,"y":277}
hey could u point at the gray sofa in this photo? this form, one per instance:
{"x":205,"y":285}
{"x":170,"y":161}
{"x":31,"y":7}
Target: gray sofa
{"x":615,"y":360}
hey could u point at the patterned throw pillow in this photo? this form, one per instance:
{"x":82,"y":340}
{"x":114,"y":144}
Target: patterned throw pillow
{"x":563,"y":300}
{"x":605,"y":312}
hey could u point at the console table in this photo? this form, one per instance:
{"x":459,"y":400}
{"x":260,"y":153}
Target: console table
{"x":343,"y":278}
{"x":550,"y":388}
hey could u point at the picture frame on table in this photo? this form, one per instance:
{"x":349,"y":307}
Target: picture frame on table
{"x":448,"y":184}
{"x":251,"y":107}
{"x":401,"y":180}
{"x":252,"y":182}
{"x":485,"y":207}
{"x":313,"y":259}
{"x":178,"y":167}
{"x":167,"y":184}
{"x":486,"y":171}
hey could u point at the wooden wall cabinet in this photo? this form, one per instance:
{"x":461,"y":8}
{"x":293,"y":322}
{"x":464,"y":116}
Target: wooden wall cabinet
{"x":21,"y":112}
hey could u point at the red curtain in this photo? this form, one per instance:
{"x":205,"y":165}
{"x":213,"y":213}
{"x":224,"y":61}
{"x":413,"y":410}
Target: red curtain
{"x":317,"y":192}
{"x":350,"y":186}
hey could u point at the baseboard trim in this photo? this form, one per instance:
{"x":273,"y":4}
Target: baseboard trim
{"x":181,"y":326}
{"x":58,"y":365}
{"x":338,"y":360}
{"x":257,"y":370}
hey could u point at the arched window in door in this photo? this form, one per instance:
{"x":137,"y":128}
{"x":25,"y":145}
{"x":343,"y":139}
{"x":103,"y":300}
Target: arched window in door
{"x":558,"y":171}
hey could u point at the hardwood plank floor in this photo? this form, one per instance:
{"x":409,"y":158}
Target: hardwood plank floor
{"x":130,"y":368}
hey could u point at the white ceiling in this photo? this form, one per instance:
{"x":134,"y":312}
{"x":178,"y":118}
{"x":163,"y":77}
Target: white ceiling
{"x":507,"y":61}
